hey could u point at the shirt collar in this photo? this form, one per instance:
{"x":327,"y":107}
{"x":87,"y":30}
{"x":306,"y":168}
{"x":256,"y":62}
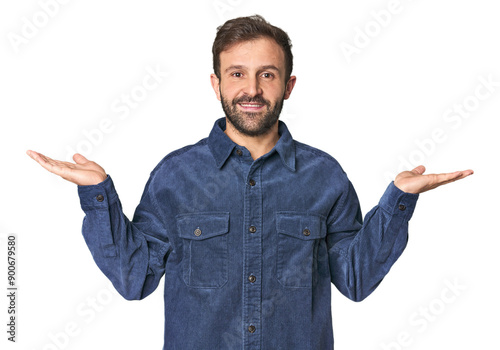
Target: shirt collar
{"x":221,"y":145}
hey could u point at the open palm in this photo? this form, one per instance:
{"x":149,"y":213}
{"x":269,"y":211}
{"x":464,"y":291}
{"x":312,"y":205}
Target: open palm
{"x":83,"y":172}
{"x":416,"y":182}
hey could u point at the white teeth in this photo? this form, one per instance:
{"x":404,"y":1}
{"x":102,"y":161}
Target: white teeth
{"x":250,"y":105}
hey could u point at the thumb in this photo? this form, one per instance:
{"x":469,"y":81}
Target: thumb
{"x":419,"y":170}
{"x":79,"y":159}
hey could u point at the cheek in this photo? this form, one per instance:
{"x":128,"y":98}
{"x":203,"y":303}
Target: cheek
{"x":274,"y":88}
{"x":228,"y":90}
{"x":276,"y":94}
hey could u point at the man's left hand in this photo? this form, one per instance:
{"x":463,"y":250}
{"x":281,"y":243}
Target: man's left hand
{"x":416,"y":182}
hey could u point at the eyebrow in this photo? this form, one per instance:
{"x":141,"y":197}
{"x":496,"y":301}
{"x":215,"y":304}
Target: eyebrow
{"x":266,"y":67}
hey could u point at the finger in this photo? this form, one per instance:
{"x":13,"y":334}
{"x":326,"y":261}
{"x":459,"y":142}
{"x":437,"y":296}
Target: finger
{"x":419,"y":170}
{"x":54,"y":166}
{"x":38,"y":157}
{"x":443,"y":179}
{"x":463,"y":174}
{"x":31,"y":153}
{"x":447,"y":177}
{"x":47,"y":163}
{"x":79,"y":159}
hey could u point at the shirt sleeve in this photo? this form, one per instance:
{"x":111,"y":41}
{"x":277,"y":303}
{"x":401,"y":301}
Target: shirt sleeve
{"x":131,"y":254}
{"x":361,"y":253}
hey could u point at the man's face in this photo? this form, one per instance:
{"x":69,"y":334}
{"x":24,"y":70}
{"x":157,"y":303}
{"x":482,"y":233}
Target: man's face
{"x":252,"y":85}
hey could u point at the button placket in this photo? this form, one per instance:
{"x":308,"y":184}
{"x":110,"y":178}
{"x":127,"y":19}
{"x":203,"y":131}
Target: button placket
{"x":252,"y":255}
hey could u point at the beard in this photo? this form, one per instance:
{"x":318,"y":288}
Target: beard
{"x":251,"y":123}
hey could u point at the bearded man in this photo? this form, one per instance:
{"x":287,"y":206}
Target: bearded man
{"x":249,"y":227}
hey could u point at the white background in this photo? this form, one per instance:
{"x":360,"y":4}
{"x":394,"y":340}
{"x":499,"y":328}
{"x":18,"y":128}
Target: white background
{"x":369,"y":109}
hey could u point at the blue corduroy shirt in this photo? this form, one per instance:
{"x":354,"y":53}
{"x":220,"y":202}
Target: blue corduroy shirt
{"x":248,"y":249}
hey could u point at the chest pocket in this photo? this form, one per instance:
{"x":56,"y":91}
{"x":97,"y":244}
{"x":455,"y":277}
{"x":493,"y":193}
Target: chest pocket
{"x":298,"y":241}
{"x":205,"y":248}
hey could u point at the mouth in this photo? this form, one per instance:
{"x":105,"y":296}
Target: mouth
{"x":251,"y":106}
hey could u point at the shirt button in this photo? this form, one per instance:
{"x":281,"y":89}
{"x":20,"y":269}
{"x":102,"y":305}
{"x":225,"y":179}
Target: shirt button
{"x":252,"y":229}
{"x":252,"y":278}
{"x":239,"y":152}
{"x":197,"y":232}
{"x":402,"y":207}
{"x":251,"y":328}
{"x":99,"y":197}
{"x":306,"y":232}
{"x":251,"y":182}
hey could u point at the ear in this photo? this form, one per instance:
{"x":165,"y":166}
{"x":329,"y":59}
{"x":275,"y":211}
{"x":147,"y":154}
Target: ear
{"x":215,"y":85}
{"x":289,"y":86}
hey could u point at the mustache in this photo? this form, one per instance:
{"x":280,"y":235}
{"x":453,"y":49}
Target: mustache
{"x":248,"y":99}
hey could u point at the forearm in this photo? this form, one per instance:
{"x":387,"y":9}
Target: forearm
{"x":125,"y":253}
{"x":361,"y":256}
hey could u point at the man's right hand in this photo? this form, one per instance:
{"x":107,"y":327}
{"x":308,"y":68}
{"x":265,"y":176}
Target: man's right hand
{"x":83,"y":172}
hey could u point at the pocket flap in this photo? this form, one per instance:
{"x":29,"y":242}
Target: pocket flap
{"x":302,"y":226}
{"x":199,"y":226}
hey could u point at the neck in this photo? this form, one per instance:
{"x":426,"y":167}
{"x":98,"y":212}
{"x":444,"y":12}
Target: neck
{"x":256,"y":145}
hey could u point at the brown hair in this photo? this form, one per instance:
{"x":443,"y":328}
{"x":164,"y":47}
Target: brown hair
{"x":249,"y":28}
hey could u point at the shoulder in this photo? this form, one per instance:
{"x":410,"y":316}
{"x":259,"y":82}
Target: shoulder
{"x":181,"y":156}
{"x":319,"y":167}
{"x":313,"y":163}
{"x":306,"y":153}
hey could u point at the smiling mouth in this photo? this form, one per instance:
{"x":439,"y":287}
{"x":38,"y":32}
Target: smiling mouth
{"x":251,"y":106}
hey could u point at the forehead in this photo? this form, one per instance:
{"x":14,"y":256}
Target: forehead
{"x":253,"y":53}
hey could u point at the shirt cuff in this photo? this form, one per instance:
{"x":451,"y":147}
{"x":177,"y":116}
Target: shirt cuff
{"x":99,"y":196}
{"x":397,"y":202}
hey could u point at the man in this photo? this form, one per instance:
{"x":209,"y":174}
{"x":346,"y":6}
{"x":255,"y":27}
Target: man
{"x":248,"y":226}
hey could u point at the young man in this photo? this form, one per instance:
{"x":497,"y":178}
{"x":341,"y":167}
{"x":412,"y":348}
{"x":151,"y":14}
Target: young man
{"x":248,"y":226}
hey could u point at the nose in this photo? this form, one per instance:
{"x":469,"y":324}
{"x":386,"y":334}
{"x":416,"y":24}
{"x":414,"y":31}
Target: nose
{"x":252,"y":87}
